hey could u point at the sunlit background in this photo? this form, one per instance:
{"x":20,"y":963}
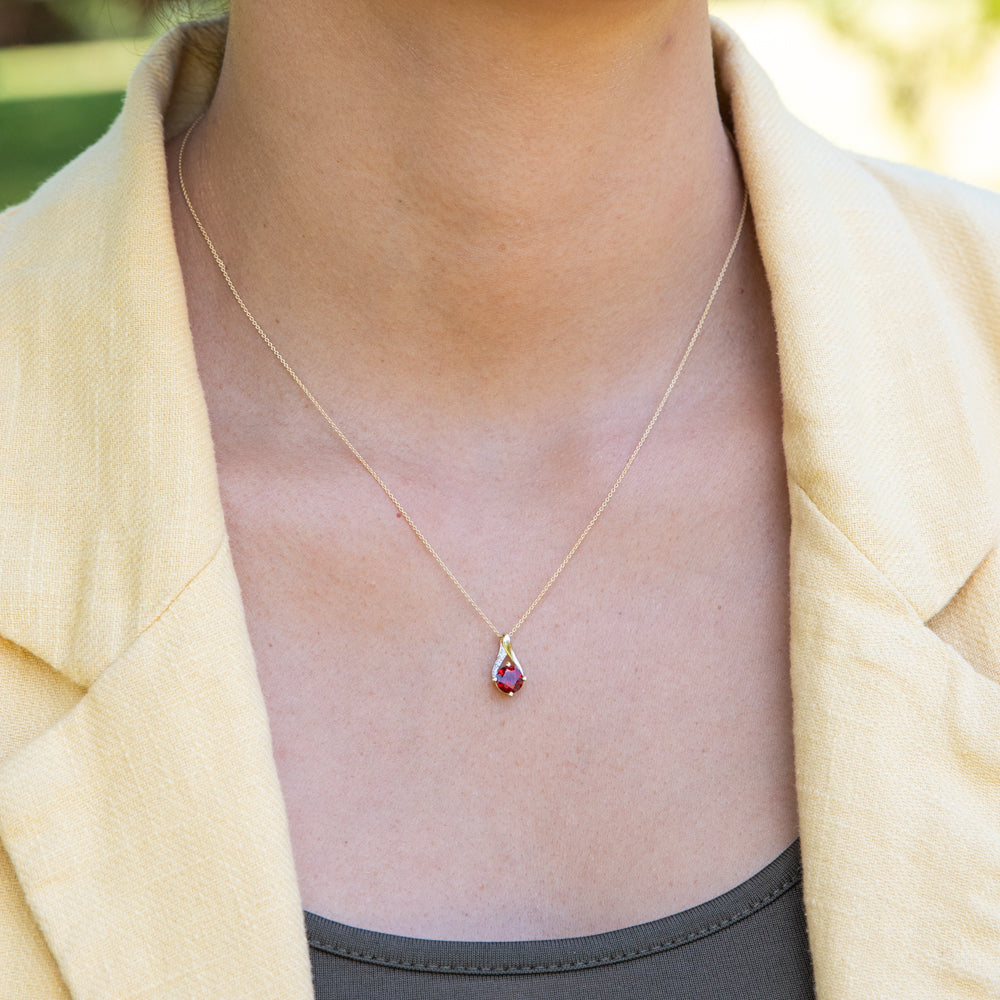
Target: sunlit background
{"x":914,"y":80}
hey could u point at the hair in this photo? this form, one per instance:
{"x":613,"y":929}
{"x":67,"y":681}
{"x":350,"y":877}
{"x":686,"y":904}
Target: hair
{"x":168,"y":13}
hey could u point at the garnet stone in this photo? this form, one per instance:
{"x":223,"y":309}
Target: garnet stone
{"x":509,"y":679}
{"x":507,"y":673}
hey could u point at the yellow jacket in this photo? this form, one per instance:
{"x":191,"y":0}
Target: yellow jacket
{"x":145,"y":850}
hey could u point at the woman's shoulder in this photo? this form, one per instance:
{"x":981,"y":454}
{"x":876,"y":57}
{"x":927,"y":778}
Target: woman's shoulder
{"x":939,"y":210}
{"x":840,"y":198}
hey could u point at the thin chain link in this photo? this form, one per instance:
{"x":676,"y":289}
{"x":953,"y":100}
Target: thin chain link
{"x":382,"y":483}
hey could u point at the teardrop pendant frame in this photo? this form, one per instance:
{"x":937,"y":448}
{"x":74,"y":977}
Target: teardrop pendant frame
{"x":506,"y":663}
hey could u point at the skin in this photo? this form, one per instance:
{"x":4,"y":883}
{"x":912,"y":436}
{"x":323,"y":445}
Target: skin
{"x":482,"y":231}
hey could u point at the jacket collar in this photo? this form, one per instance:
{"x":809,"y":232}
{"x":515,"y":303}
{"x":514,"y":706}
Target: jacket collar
{"x":880,"y":279}
{"x":879,"y":420}
{"x":146,"y":826}
{"x":114,"y":501}
{"x":160,"y":784}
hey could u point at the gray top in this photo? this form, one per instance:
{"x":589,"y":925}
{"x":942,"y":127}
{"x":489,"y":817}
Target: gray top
{"x":747,"y":944}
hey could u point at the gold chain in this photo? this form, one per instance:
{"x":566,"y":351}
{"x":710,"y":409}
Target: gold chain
{"x":378,"y":479}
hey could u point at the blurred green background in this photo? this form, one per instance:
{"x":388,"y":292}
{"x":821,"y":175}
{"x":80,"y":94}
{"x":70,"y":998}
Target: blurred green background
{"x":917,"y":80}
{"x":38,"y":136}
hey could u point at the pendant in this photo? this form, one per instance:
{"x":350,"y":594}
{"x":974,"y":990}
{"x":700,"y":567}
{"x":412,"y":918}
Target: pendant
{"x":507,"y":673}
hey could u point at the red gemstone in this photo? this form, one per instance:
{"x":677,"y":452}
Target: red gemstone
{"x":508,"y":678}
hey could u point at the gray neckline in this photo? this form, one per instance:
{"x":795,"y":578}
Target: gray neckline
{"x":561,"y":954}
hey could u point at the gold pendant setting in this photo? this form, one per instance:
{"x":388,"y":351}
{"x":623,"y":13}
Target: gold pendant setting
{"x":507,"y":673}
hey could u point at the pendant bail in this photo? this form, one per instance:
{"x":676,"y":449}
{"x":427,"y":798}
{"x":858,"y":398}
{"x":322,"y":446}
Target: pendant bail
{"x":508,"y":675}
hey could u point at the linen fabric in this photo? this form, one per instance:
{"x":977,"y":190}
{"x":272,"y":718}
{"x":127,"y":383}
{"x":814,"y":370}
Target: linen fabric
{"x":747,"y":944}
{"x":145,"y":845}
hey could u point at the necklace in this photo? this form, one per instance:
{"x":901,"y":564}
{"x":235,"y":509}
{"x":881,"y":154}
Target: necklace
{"x":507,"y":674}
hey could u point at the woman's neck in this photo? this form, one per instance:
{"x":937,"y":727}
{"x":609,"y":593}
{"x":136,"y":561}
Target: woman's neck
{"x":471,"y":187}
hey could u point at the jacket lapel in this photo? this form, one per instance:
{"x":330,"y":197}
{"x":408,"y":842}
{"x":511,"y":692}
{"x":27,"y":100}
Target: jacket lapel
{"x":146,"y":827}
{"x":890,"y":437}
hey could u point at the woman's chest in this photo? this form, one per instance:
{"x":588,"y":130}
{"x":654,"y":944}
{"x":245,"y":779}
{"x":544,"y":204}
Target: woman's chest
{"x":646,"y":764}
